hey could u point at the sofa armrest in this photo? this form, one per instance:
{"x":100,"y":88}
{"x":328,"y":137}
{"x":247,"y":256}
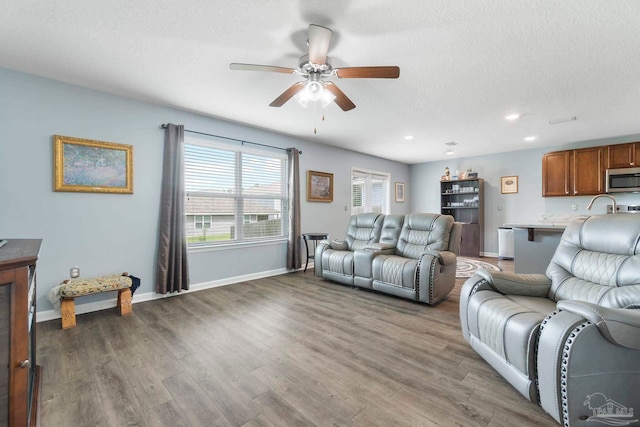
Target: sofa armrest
{"x":620,"y":326}
{"x":436,"y":275}
{"x":339,"y":245}
{"x":443,"y":257}
{"x":575,"y":359}
{"x":534,"y":285}
{"x":380,"y":246}
{"x":322,"y":246}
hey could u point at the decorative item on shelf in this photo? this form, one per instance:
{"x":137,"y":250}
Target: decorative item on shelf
{"x":447,"y":174}
{"x":471,"y":174}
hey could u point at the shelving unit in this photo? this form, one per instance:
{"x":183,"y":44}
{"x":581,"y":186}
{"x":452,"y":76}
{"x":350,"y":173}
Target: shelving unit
{"x":463,"y":199}
{"x":20,"y":376}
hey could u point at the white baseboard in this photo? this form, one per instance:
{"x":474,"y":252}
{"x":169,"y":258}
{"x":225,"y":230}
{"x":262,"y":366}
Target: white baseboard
{"x":46,"y":315}
{"x":489,"y":254}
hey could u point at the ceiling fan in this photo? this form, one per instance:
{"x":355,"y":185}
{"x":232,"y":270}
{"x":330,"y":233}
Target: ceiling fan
{"x":315,"y":67}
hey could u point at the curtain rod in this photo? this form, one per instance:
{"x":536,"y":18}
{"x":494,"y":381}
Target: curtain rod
{"x":164,"y":126}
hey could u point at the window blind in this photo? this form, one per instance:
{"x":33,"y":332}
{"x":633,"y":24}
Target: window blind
{"x":233,"y":193}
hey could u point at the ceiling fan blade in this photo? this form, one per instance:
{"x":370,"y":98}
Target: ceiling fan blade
{"x":319,"y":39}
{"x":253,"y":67}
{"x":392,"y":72}
{"x":287,"y":94}
{"x":341,"y":99}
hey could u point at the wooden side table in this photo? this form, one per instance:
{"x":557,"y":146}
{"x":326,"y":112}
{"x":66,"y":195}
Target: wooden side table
{"x":314,"y":237}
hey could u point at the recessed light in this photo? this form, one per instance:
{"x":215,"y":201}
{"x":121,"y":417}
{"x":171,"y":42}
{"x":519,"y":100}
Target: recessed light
{"x":512,"y":117}
{"x":530,"y":138}
{"x":448,"y":152}
{"x":408,"y":137}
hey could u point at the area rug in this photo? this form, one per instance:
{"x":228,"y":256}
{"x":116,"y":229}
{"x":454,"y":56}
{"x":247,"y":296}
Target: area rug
{"x":467,"y":266}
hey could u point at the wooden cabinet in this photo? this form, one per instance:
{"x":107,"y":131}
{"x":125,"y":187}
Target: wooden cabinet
{"x":573,"y":172}
{"x":556,"y":174}
{"x":623,"y":155}
{"x":581,"y":172}
{"x":588,"y":171}
{"x":463,"y":199}
{"x":19,"y":376}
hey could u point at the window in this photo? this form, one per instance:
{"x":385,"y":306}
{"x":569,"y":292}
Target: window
{"x":234,"y":194}
{"x":369,"y":192}
{"x":202,"y":221}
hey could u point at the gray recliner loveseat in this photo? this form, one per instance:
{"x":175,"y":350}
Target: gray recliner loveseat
{"x":413,"y":257}
{"x":568,"y":340}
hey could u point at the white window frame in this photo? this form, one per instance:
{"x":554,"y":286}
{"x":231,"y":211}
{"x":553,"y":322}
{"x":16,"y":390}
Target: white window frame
{"x":203,"y":222}
{"x":367,"y":199}
{"x":239,"y":215}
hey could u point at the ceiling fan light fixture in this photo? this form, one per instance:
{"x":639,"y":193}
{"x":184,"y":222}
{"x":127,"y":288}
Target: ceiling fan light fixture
{"x":314,"y":90}
{"x":326,"y":98}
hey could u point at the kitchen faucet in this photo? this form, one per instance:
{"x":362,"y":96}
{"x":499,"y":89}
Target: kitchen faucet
{"x":614,"y":210}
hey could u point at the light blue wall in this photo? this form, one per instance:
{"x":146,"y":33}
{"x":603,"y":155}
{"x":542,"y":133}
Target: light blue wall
{"x":107,"y":233}
{"x":525,"y":206}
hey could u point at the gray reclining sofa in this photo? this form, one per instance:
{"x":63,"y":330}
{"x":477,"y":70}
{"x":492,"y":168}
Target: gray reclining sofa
{"x":412,"y":256}
{"x":568,"y":340}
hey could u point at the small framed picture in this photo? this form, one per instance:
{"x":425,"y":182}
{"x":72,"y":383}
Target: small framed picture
{"x":509,"y":184}
{"x":399,"y":192}
{"x":319,"y":186}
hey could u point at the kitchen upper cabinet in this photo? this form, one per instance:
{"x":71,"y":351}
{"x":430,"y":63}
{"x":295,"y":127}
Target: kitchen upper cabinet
{"x":573,"y":172}
{"x":556,"y":174}
{"x":588,"y":171}
{"x":623,"y":155}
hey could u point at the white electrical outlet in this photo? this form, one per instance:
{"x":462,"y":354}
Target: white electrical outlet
{"x":74,"y":272}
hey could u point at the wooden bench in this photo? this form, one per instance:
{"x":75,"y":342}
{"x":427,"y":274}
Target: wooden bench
{"x":75,"y":288}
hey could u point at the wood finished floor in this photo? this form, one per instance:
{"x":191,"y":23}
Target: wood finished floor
{"x":290,"y":350}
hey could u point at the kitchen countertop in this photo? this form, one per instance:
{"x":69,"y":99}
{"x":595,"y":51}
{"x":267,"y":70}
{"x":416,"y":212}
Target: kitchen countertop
{"x":539,"y":225}
{"x":547,"y":222}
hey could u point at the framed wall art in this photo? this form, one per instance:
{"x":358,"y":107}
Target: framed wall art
{"x":84,"y":165}
{"x":319,"y":186}
{"x":399,"y":192}
{"x":509,"y":184}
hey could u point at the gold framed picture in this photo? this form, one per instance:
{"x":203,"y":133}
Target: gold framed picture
{"x":84,"y":165}
{"x":399,"y":192}
{"x":319,"y":186}
{"x":509,"y":184}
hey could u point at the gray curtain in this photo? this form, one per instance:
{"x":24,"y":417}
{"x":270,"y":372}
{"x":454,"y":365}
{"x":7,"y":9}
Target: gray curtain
{"x":294,"y":245}
{"x":173,"y":269}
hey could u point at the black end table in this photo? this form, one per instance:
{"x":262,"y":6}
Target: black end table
{"x":315,"y":237}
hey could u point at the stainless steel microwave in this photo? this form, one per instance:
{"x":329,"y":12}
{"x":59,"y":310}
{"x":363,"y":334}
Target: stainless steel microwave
{"x":623,"y":180}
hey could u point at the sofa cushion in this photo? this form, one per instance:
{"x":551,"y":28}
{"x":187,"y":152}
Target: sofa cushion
{"x":597,"y":261}
{"x":424,"y":231}
{"x":391,"y":227}
{"x":363,"y":229}
{"x":340,"y":262}
{"x":395,"y":270}
{"x":509,"y":324}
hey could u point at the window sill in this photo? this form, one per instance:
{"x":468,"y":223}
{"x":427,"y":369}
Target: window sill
{"x":236,"y":245}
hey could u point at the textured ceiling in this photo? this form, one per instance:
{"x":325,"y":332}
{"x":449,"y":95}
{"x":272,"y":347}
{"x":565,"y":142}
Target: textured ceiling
{"x":464,"y":64}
